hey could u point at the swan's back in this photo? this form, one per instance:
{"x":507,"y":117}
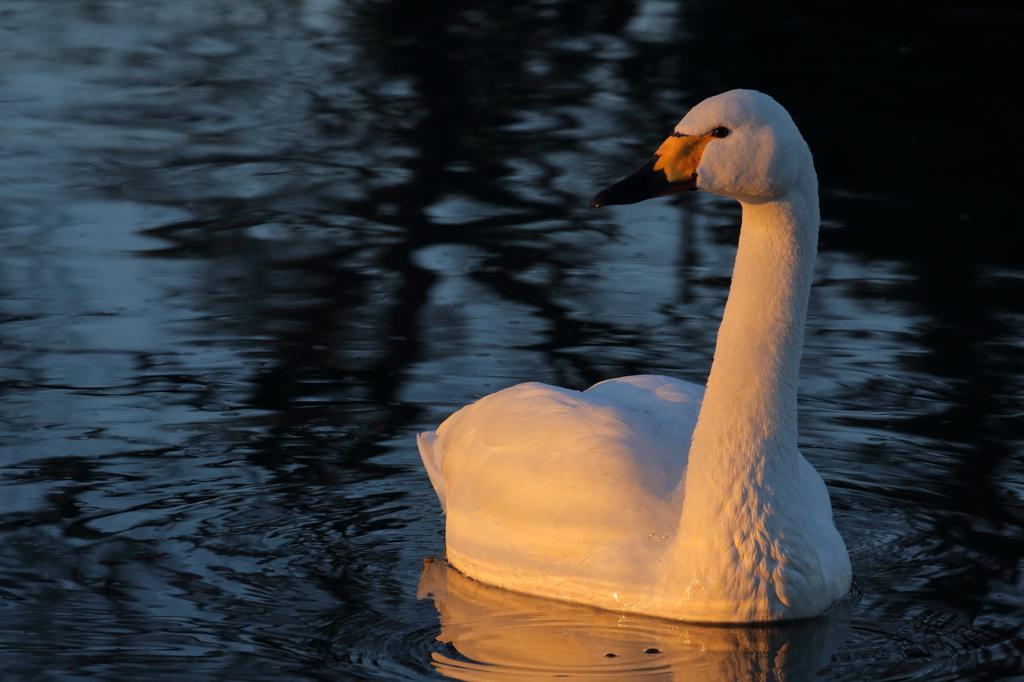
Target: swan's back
{"x":546,"y":477}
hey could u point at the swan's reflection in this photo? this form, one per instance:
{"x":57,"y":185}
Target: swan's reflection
{"x":504,"y":635}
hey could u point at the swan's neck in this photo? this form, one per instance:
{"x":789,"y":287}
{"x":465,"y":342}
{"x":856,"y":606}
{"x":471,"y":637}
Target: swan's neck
{"x":742,"y":480}
{"x":747,"y":420}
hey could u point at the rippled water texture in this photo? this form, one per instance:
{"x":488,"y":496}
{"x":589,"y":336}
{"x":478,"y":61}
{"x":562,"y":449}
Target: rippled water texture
{"x":249,"y":249}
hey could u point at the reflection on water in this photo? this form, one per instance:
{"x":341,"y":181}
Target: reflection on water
{"x":502,"y":635}
{"x":249,"y":248}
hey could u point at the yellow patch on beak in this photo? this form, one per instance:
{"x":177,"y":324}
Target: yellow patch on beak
{"x":680,"y":156}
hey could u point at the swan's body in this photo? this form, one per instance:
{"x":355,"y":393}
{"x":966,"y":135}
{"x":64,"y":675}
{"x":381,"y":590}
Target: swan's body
{"x":650,"y":494}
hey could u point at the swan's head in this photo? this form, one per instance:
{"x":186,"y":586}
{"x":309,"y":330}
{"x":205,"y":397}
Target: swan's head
{"x":740,"y":144}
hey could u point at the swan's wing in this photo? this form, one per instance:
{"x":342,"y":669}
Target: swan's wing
{"x":536,"y":472}
{"x":636,"y":429}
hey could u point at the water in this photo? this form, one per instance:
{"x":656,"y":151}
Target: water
{"x":251,"y":248}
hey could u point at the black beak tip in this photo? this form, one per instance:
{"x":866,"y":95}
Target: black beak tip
{"x":598,"y":201}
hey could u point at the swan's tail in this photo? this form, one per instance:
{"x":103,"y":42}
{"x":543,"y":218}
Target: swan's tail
{"x":430,"y":451}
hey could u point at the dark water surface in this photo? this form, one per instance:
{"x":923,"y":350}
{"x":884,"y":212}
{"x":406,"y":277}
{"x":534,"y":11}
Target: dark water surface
{"x":249,"y":249}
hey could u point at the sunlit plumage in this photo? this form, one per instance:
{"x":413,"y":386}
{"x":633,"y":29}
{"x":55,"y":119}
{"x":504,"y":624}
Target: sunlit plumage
{"x":653,"y":495}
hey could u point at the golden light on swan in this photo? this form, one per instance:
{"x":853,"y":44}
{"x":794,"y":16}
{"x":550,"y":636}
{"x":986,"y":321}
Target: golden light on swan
{"x":651,"y":495}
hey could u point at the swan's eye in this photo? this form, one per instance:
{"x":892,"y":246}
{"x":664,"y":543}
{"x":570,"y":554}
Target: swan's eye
{"x":720,"y":132}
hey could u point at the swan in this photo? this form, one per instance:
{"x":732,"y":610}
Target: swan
{"x":651,"y":495}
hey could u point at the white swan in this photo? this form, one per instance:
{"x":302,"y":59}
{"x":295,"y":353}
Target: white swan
{"x":649,"y":494}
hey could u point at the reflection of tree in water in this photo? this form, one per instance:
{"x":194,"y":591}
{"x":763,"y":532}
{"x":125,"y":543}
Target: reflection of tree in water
{"x":483,"y":110}
{"x":446,"y":104}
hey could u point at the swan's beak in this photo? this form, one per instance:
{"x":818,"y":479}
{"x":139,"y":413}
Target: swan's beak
{"x":671,"y":170}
